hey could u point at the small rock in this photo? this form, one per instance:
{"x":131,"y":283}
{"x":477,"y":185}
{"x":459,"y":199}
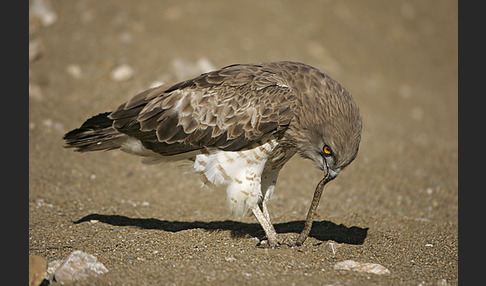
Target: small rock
{"x":43,"y":10}
{"x":122,"y":72}
{"x":184,"y":69}
{"x":126,"y":37}
{"x":156,"y":83}
{"x":36,"y":49}
{"x":332,"y":247}
{"x":361,"y":267}
{"x":442,"y":282}
{"x":205,"y":65}
{"x":37,"y":269}
{"x":79,"y":265}
{"x":74,"y":71}
{"x":41,"y":203}
{"x":35,"y":92}
{"x":51,"y":269}
{"x":53,"y":125}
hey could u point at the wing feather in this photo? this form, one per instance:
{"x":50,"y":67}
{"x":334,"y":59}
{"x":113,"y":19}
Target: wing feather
{"x":229,"y":109}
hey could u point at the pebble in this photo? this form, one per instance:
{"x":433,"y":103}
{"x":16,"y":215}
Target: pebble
{"x":185,"y":69}
{"x":51,"y":269}
{"x":332,"y":247}
{"x":35,"y":92}
{"x":78,"y":265}
{"x":43,"y":10}
{"x":126,"y":37}
{"x":74,"y":71}
{"x":53,"y":125}
{"x":361,"y":267}
{"x":36,"y":49}
{"x":156,"y":83}
{"x":37,"y":269}
{"x":122,"y":72}
{"x":135,"y":203}
{"x":442,"y":282}
{"x":41,"y":203}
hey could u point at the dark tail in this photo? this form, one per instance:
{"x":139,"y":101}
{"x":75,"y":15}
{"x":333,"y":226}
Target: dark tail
{"x":97,"y":133}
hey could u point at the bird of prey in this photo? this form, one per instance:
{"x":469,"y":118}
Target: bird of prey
{"x":238,"y":125}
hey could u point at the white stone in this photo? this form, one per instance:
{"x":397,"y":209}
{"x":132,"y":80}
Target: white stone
{"x":79,"y":265}
{"x":74,"y":71}
{"x":185,"y":69}
{"x":122,"y":72}
{"x":36,"y":49}
{"x":43,"y":10}
{"x":361,"y":267}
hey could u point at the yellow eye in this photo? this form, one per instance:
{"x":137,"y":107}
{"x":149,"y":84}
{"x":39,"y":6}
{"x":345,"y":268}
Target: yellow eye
{"x":327,"y":150}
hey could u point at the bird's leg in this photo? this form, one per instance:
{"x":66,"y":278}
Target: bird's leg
{"x":269,"y":179}
{"x":266,"y":225}
{"x":264,"y":206}
{"x":280,"y":240}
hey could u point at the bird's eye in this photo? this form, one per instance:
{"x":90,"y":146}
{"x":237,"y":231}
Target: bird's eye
{"x":327,"y":150}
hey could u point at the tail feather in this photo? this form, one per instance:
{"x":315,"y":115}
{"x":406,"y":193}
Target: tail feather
{"x":96,"y":133}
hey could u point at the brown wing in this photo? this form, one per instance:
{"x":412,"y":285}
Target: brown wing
{"x":227,"y":109}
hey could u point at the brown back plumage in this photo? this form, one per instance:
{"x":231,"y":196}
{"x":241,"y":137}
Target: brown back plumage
{"x":227,"y":109}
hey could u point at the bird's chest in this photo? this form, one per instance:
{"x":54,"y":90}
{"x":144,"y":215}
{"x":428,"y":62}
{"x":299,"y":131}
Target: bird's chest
{"x":241,"y":167}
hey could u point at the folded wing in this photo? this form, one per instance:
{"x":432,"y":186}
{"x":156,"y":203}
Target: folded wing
{"x":228,"y":109}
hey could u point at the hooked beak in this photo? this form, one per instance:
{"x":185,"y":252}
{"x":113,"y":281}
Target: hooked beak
{"x":333,"y":174}
{"x":328,"y":172}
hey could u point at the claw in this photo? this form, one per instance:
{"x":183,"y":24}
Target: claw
{"x":280,"y":242}
{"x":265,"y":244}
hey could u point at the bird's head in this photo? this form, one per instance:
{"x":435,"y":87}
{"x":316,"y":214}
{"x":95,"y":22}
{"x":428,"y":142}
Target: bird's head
{"x":333,"y":147}
{"x":329,"y":128}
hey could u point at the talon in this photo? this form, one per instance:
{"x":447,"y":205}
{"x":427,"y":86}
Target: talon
{"x":265,"y":244}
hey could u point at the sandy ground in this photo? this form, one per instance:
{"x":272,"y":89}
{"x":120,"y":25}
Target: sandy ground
{"x":396,"y":205}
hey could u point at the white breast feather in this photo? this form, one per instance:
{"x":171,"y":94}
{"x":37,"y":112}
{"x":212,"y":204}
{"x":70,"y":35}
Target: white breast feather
{"x":240,"y":171}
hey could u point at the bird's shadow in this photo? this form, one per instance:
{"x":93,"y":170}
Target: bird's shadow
{"x":321,"y":230}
